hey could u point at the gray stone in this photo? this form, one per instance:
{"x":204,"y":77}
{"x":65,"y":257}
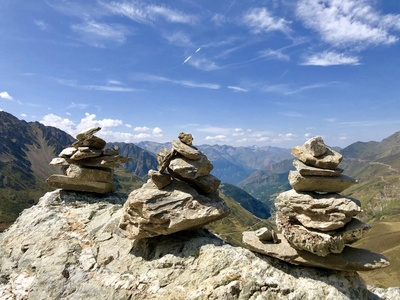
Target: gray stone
{"x":187,"y":151}
{"x":76,"y":184}
{"x":87,"y":133}
{"x":110,"y":152}
{"x":191,"y":169}
{"x":86,"y":153}
{"x":320,"y":183}
{"x":353,"y":231}
{"x":265,"y":234}
{"x":150,"y":212}
{"x":315,"y":146}
{"x":90,"y":174}
{"x":351,"y":259}
{"x":59,"y":161}
{"x":101,"y":161}
{"x":305,"y":170}
{"x":67,"y":152}
{"x":323,"y":212}
{"x":164,"y":157}
{"x":91,"y":141}
{"x":330,"y":160}
{"x":186,"y":138}
{"x":208,"y":183}
{"x":161,"y":180}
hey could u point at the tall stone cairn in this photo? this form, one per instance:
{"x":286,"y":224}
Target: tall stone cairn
{"x":180,"y":195}
{"x":316,"y":222}
{"x":87,"y":167}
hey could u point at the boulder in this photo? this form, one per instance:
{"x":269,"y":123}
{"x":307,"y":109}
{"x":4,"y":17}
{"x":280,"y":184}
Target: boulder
{"x":191,"y":169}
{"x":323,"y":212}
{"x":67,"y":152}
{"x":320,"y":183}
{"x":330,"y":160}
{"x":305,"y":170}
{"x":150,"y":212}
{"x":351,"y":259}
{"x":161,"y":180}
{"x":86,"y":152}
{"x":77,"y":184}
{"x":87,"y":133}
{"x":315,"y":146}
{"x":90,"y":174}
{"x":186,"y":138}
{"x":185,"y":150}
{"x":91,"y":141}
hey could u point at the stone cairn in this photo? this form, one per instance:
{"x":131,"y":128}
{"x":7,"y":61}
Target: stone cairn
{"x":317,"y":223}
{"x":87,"y":167}
{"x":181,"y":195}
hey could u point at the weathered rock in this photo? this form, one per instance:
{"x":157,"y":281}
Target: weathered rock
{"x":352,"y":231}
{"x":85,"y":153}
{"x":305,"y":170}
{"x":330,"y":160}
{"x":187,"y":151}
{"x":91,"y":141}
{"x":351,"y":259}
{"x":265,"y":234}
{"x":208,"y":183}
{"x":150,"y":212}
{"x":110,"y":152}
{"x":186,"y":138}
{"x":59,"y":161}
{"x":67,"y":152}
{"x":323,"y":212}
{"x":67,"y":247}
{"x":101,"y":161}
{"x":315,"y":146}
{"x":320,"y":183}
{"x":76,"y":184}
{"x":87,"y":133}
{"x":90,"y":174}
{"x":191,"y":169}
{"x":164,"y":157}
{"x":161,"y":180}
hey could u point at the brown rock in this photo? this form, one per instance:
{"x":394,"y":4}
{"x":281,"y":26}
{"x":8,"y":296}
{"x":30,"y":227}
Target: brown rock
{"x":87,"y":133}
{"x":353,"y":231}
{"x":67,"y":152}
{"x":164,"y":157}
{"x":91,"y":141}
{"x":161,"y":180}
{"x":76,"y":184}
{"x":187,"y":151}
{"x":315,"y":146}
{"x":320,"y":183}
{"x":330,"y":160}
{"x":323,"y":212}
{"x":86,"y":153}
{"x":305,"y":170}
{"x":150,"y":212}
{"x":191,"y":169}
{"x":90,"y":174}
{"x":186,"y":138}
{"x":351,"y":259}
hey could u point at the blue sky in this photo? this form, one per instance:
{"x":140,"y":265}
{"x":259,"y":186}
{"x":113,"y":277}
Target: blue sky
{"x":230,"y":72}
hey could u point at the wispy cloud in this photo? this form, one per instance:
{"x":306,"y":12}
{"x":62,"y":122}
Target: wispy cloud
{"x":369,"y":123}
{"x":353,"y":23}
{"x":6,"y":96}
{"x":185,"y":83}
{"x":178,"y":38}
{"x":42,"y":25}
{"x":105,"y":88}
{"x":275,"y":54}
{"x":202,"y":63}
{"x":237,"y":89}
{"x":77,"y":105}
{"x":287,"y":90}
{"x":260,"y":20}
{"x":328,"y":58}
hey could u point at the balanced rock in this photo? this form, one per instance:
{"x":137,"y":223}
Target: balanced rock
{"x":161,"y":180}
{"x":325,"y":184}
{"x":77,"y":184}
{"x":86,"y":152}
{"x":102,"y":161}
{"x":87,"y":133}
{"x":329,"y":160}
{"x":164,"y":157}
{"x":186,"y":138}
{"x":315,"y":146}
{"x":187,"y":151}
{"x":305,"y":170}
{"x":90,"y":174}
{"x":67,"y":152}
{"x":323,"y":212}
{"x":91,"y":141}
{"x":150,"y":212}
{"x":191,"y":169}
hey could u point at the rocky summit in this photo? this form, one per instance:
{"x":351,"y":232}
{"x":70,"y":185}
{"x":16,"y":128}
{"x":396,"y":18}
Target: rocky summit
{"x":86,"y":165}
{"x":317,"y":223}
{"x":184,"y":198}
{"x":69,"y":247}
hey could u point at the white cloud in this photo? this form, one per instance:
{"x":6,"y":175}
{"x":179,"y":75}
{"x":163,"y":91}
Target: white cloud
{"x":203,"y":64}
{"x":275,"y":54}
{"x":144,"y":128}
{"x":102,"y":88}
{"x":89,"y":121}
{"x":64,"y":124}
{"x":114,"y":82}
{"x":217,"y":138}
{"x":344,"y":23}
{"x":185,"y":83}
{"x":284,"y":137}
{"x":308,"y":135}
{"x":5,"y":95}
{"x":328,"y":58}
{"x":157,"y":132}
{"x":128,"y":125}
{"x":237,"y":89}
{"x":260,"y":20}
{"x":68,"y":113}
{"x":77,"y":105}
{"x":286,"y":90}
{"x":177,"y":38}
{"x":42,"y":25}
{"x":1,"y":109}
{"x":24,"y":115}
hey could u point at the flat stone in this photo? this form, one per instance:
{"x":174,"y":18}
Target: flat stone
{"x":90,"y":174}
{"x":87,"y":133}
{"x":305,"y":170}
{"x":208,"y":183}
{"x":351,"y":259}
{"x":320,"y":183}
{"x":191,"y":169}
{"x":330,"y":160}
{"x":86,"y":153}
{"x":110,"y":152}
{"x":59,"y":161}
{"x":315,"y":146}
{"x":187,"y":151}
{"x":323,"y":212}
{"x":67,"y":152}
{"x":102,"y":161}
{"x":161,"y":180}
{"x":186,"y":138}
{"x":353,"y":231}
{"x":150,"y":212}
{"x":91,"y":141}
{"x":76,"y":184}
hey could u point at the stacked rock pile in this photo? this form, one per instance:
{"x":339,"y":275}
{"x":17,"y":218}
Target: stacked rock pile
{"x":87,"y":167}
{"x":316,"y":222}
{"x":183,"y":198}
